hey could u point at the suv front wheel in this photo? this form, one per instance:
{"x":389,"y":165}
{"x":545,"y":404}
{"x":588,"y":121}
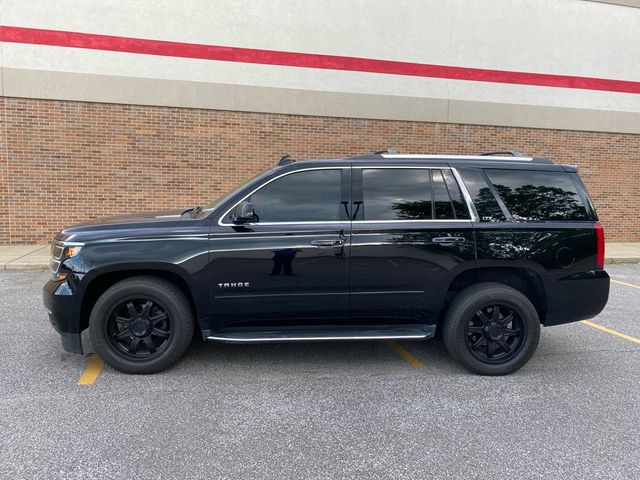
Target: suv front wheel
{"x":141,"y":325}
{"x":491,"y":329}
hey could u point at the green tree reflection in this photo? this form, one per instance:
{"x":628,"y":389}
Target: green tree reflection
{"x":531,"y":202}
{"x":418,"y":210}
{"x":487,"y":207}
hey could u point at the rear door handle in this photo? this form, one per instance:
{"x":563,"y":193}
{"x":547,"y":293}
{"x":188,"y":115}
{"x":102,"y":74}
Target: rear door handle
{"x":327,"y":243}
{"x":448,"y":240}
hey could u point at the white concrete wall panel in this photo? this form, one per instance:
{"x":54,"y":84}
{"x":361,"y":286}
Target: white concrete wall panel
{"x":557,"y":37}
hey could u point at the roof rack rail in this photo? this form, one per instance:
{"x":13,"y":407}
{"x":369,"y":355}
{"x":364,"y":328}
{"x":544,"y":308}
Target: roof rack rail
{"x":513,"y":153}
{"x":285,"y":160}
{"x":390,"y":151}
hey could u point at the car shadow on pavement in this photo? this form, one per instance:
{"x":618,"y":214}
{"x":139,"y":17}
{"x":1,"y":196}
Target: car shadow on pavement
{"x":366,"y":357}
{"x":570,"y":351}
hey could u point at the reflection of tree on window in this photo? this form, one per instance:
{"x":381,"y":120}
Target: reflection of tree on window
{"x":418,"y":210}
{"x":538,"y":195}
{"x":531,"y":202}
{"x":487,"y":206}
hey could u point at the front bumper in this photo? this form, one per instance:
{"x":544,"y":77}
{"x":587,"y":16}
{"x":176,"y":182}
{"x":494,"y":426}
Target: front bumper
{"x":61,"y":305}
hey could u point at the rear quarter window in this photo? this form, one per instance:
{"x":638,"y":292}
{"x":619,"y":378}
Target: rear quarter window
{"x":532,"y":195}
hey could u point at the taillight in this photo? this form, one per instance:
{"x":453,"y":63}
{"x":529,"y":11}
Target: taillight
{"x":599,"y":246}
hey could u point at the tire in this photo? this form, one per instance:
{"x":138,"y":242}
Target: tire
{"x":488,"y":340}
{"x":147,"y":338}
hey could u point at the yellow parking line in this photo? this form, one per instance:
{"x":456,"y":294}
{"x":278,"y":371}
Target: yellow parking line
{"x":625,"y":283}
{"x":393,"y":262}
{"x":90,"y":374}
{"x":612,"y":332}
{"x":410,"y":359}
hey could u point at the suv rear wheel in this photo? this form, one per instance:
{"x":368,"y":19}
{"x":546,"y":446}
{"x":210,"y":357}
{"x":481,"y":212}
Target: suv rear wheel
{"x":491,"y":329}
{"x":141,"y":325}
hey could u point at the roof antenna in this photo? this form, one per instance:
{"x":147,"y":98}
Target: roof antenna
{"x":285,"y":160}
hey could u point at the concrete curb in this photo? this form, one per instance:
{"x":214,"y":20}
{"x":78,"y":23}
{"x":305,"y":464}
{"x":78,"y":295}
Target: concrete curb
{"x":617,"y":260}
{"x":31,"y":258}
{"x":25,"y":268}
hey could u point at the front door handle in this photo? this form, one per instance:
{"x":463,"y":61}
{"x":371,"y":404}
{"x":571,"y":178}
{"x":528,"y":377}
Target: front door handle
{"x":448,"y":240}
{"x":327,"y":243}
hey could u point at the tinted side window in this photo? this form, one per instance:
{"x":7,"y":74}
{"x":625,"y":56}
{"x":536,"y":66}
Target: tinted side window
{"x":312,"y":195}
{"x":396,"y":194}
{"x":457,"y":200}
{"x":484,"y":201}
{"x":534,"y":195}
{"x":443,"y":208}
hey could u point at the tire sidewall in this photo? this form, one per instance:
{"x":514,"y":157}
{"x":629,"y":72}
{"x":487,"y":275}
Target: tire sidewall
{"x":162,"y":293}
{"x":463,"y":309}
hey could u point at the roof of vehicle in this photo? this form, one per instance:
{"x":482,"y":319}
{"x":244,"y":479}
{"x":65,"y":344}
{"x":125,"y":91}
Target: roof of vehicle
{"x":450,"y":158}
{"x":485,"y":161}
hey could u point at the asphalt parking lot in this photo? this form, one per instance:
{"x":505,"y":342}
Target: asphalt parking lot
{"x":324,"y":410}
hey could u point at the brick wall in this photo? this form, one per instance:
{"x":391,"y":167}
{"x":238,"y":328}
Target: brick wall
{"x":66,"y":162}
{"x":4,"y":212}
{"x":4,"y":216}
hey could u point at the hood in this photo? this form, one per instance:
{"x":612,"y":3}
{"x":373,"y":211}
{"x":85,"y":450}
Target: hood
{"x":138,"y":223}
{"x":147,"y":217}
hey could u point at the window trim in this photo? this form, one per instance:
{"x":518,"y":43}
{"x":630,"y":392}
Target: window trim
{"x":443,"y":220}
{"x":340,"y":168}
{"x":503,"y":206}
{"x":466,"y":195}
{"x":449,"y":181}
{"x":446,"y":189}
{"x":463,"y":188}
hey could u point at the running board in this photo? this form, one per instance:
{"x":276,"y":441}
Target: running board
{"x":423,"y":332}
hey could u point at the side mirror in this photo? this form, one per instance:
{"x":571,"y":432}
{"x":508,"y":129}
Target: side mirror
{"x":243,"y":213}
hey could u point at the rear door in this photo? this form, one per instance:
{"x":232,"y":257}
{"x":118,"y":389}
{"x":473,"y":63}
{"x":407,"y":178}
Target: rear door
{"x":411,"y":234}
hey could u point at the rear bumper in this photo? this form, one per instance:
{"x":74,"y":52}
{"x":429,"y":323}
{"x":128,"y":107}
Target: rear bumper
{"x":577,"y":297}
{"x":59,"y":302}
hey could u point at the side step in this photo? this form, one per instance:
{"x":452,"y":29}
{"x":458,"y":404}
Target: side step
{"x":416,"y":332}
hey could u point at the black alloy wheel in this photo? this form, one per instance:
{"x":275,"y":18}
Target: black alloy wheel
{"x":141,"y":325}
{"x":495,"y":333}
{"x":139,"y":328}
{"x":491,"y":328}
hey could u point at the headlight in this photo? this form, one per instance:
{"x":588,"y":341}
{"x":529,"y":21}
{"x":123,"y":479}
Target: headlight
{"x":60,"y":251}
{"x":71,"y":251}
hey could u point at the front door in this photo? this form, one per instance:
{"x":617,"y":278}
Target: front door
{"x":290,"y":265}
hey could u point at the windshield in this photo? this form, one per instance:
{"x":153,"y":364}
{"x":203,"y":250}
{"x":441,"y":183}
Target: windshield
{"x":227,"y":195}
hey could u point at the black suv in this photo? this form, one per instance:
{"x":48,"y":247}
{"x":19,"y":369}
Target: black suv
{"x":483,"y":249}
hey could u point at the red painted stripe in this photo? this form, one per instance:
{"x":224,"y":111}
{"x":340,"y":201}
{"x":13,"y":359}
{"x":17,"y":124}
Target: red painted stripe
{"x":306,"y":60}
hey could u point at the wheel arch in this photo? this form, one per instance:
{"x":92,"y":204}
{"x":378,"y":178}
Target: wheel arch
{"x":525,"y":280}
{"x":100,"y":282}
